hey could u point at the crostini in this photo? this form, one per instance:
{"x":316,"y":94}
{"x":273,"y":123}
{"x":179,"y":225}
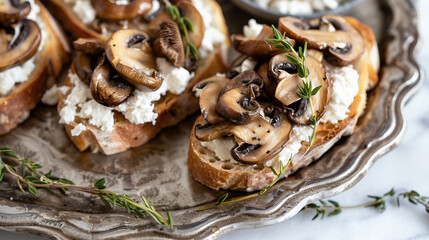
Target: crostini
{"x":33,"y":50}
{"x":261,"y":115}
{"x":125,"y":88}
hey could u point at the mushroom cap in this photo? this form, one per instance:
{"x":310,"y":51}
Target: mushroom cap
{"x":208,"y":91}
{"x":188,"y":10}
{"x":169,"y":43}
{"x":23,"y":47}
{"x":84,"y":65}
{"x":11,"y":11}
{"x":342,"y":43}
{"x":107,"y":9}
{"x":257,"y":48}
{"x":92,"y":46}
{"x":237,"y":101}
{"x":107,"y":86}
{"x":285,"y":72}
{"x":130,"y":54}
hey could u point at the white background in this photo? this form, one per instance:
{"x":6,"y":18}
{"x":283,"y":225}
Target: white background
{"x":405,"y":168}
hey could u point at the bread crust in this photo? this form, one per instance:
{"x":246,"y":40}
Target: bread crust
{"x":171,"y":109}
{"x":210,"y":171}
{"x":16,"y":106}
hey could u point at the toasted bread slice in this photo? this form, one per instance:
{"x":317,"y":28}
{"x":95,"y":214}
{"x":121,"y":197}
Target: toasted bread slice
{"x":208,"y":169}
{"x":16,"y":106}
{"x":171,"y":108}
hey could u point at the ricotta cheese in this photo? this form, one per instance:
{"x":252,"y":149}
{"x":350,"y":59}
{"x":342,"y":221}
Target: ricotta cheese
{"x":19,"y":74}
{"x":78,"y":129}
{"x":345,"y":88}
{"x":51,"y":96}
{"x":252,"y":29}
{"x":83,"y":10}
{"x":298,"y":6}
{"x":138,"y":108}
{"x":212,"y":35}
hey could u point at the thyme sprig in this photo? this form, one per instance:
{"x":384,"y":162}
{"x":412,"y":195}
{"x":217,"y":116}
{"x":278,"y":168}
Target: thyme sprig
{"x":331,"y":208}
{"x":31,"y":178}
{"x":223,"y":200}
{"x":185,"y":25}
{"x":306,"y":91}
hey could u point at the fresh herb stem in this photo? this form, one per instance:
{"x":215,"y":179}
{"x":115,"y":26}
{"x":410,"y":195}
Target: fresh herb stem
{"x":298,"y":58}
{"x":38,"y":179}
{"x":185,"y":25}
{"x":222,"y":199}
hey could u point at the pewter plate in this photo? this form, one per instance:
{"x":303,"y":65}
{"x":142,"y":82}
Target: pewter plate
{"x":272,"y":14}
{"x":158,"y":169}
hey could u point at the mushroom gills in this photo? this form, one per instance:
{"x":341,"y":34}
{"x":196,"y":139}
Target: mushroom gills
{"x":107,"y":86}
{"x":237,"y":101}
{"x":130,"y":54}
{"x":23,"y":47}
{"x":92,"y":46}
{"x":169,"y":43}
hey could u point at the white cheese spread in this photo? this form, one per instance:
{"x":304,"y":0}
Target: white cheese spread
{"x":252,"y":29}
{"x":51,"y":96}
{"x":78,"y":129}
{"x":298,"y":6}
{"x":83,"y":10}
{"x":19,"y":74}
{"x":138,"y":108}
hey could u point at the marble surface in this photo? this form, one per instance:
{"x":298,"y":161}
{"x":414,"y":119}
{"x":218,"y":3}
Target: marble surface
{"x":404,"y":168}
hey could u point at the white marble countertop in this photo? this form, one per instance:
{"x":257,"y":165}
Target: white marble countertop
{"x":405,"y":168}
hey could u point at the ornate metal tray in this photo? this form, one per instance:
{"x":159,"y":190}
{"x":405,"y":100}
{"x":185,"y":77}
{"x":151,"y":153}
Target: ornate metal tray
{"x":158,"y":169}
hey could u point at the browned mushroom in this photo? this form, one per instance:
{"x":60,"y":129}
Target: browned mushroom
{"x":237,"y":101}
{"x":110,"y":10}
{"x":93,"y":46}
{"x":188,"y":10}
{"x":84,"y":66}
{"x":343,"y":42}
{"x":257,"y":141}
{"x":130,"y":54}
{"x":107,"y":86}
{"x":169,"y":43}
{"x":257,"y":48}
{"x":270,"y":84}
{"x":285,"y":72}
{"x":208,"y":91}
{"x":11,"y":11}
{"x":23,"y":47}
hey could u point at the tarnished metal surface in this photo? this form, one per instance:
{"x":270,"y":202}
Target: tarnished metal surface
{"x":158,"y":169}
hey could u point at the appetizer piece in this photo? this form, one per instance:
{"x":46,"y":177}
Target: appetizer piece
{"x":124,"y":89}
{"x":295,"y":91}
{"x":32,"y":52}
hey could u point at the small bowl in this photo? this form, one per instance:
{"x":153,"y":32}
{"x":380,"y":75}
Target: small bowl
{"x":272,"y":15}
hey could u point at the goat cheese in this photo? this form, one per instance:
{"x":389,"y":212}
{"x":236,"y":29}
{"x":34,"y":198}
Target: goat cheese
{"x":138,"y":108}
{"x":51,"y":96}
{"x":78,"y":129}
{"x":83,"y":10}
{"x":252,"y":29}
{"x":212,"y":35}
{"x":19,"y":74}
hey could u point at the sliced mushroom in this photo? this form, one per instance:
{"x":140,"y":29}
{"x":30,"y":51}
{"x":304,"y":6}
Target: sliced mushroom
{"x":107,"y":86}
{"x":11,"y":11}
{"x":130,"y":54}
{"x":208,"y":91}
{"x":110,"y":10}
{"x":23,"y":47}
{"x":270,"y":84}
{"x":188,"y":10}
{"x":169,"y":43}
{"x":93,"y":46}
{"x":257,"y":48}
{"x":285,"y":72}
{"x":257,"y":141}
{"x":237,"y":101}
{"x":84,"y":66}
{"x":343,"y":42}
